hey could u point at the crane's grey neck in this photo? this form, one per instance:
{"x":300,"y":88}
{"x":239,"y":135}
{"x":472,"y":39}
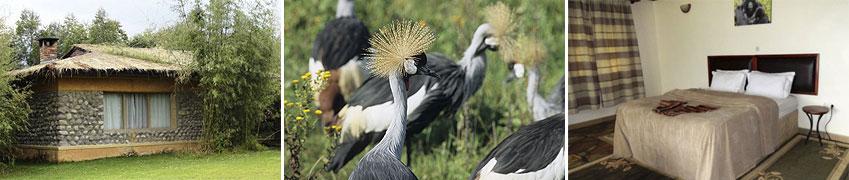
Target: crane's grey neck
{"x":477,"y":44}
{"x":393,"y":140}
{"x":535,"y":101}
{"x":474,"y":61}
{"x":345,"y":8}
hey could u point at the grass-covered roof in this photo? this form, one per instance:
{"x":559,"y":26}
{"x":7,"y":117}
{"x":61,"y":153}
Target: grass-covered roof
{"x":107,"y":58}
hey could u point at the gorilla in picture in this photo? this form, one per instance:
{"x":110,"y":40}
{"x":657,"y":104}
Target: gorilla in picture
{"x":748,"y":12}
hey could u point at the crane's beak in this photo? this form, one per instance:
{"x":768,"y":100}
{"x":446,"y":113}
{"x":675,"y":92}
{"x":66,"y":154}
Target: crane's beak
{"x":510,"y":78}
{"x":427,"y":71}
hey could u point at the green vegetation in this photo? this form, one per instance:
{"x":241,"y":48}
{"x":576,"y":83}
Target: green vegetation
{"x":26,"y":46}
{"x":104,"y":30}
{"x":451,"y":147}
{"x":241,"y":165}
{"x":236,"y":59}
{"x":13,"y":106}
{"x":28,"y":29}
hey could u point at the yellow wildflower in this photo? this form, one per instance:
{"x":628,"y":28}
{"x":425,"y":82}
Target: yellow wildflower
{"x":325,"y":74}
{"x":336,"y":128}
{"x":317,"y":112}
{"x":306,"y":111}
{"x":299,"y":118}
{"x":295,"y":81}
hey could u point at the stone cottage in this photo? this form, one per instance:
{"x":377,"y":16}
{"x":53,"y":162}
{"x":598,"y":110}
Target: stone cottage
{"x":103,"y":101}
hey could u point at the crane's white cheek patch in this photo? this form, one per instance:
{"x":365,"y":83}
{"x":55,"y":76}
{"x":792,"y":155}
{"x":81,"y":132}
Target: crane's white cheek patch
{"x":519,"y":70}
{"x":410,"y":67}
{"x":491,"y":41}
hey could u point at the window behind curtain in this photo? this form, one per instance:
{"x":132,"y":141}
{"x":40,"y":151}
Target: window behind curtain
{"x":160,"y":111}
{"x":136,"y":110}
{"x":604,"y":60}
{"x":112,"y":114}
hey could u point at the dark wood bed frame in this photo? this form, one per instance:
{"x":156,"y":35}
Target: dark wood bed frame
{"x":806,"y":67}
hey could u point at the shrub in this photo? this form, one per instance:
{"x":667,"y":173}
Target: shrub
{"x":236,"y":58}
{"x":13,"y":106}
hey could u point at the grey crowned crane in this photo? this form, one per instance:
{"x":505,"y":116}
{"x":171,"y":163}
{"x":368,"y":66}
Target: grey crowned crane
{"x":535,"y":151}
{"x":337,"y":48}
{"x":541,"y":107}
{"x":364,"y":121}
{"x":397,"y":55}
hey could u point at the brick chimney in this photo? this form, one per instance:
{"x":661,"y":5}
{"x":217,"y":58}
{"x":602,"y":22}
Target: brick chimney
{"x":48,"y":47}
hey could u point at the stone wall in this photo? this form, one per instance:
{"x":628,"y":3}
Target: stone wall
{"x":81,"y":118}
{"x":76,"y":118}
{"x":43,"y":127}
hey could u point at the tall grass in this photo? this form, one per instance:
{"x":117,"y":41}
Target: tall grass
{"x":452,"y":146}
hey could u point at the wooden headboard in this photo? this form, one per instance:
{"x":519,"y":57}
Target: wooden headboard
{"x":806,"y":67}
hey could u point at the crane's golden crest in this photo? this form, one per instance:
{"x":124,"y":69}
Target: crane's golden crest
{"x":529,"y":50}
{"x":393,"y":46}
{"x":500,"y":19}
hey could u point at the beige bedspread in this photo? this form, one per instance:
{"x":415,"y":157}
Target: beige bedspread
{"x":720,"y":144}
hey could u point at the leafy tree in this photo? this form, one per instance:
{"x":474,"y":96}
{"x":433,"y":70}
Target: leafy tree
{"x":146,"y":39}
{"x":13,"y":106}
{"x":175,"y":37}
{"x":73,"y":32}
{"x":236,"y":55}
{"x":106,"y":31}
{"x":26,"y":32}
{"x":52,"y":30}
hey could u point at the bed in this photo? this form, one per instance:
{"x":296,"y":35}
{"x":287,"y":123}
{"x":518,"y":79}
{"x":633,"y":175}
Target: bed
{"x":724,"y":143}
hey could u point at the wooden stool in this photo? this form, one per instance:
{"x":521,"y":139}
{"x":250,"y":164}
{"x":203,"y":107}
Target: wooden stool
{"x":811,"y":111}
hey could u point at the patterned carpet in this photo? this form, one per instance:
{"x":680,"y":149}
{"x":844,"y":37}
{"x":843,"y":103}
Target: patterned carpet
{"x":590,"y":148}
{"x":587,"y":144}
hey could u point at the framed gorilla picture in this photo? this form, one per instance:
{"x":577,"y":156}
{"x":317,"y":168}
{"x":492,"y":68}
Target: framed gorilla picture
{"x":750,"y":12}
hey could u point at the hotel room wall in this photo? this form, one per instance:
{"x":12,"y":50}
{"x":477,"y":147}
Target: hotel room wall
{"x":683,"y":42}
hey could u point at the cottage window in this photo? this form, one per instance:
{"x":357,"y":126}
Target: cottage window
{"x":136,"y":111}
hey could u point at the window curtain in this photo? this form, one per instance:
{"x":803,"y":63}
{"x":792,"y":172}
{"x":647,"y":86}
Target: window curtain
{"x":160,"y":111}
{"x":112,"y":111}
{"x":604,"y":60}
{"x":136,"y":110}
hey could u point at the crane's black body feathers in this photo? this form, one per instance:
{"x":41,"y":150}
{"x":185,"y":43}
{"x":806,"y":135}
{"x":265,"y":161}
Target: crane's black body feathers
{"x":532,"y":147}
{"x":340,"y":40}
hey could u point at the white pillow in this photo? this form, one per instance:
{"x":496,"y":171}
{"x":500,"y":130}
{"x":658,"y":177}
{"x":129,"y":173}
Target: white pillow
{"x":788,"y":76}
{"x":730,"y":81}
{"x":775,"y":85}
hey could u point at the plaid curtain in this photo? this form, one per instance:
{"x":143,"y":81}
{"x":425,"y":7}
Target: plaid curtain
{"x":604,"y":61}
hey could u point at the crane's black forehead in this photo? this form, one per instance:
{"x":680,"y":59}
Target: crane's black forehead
{"x":421,"y":59}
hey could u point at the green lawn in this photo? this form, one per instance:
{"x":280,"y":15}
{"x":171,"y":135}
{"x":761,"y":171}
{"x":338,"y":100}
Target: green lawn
{"x":241,"y":165}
